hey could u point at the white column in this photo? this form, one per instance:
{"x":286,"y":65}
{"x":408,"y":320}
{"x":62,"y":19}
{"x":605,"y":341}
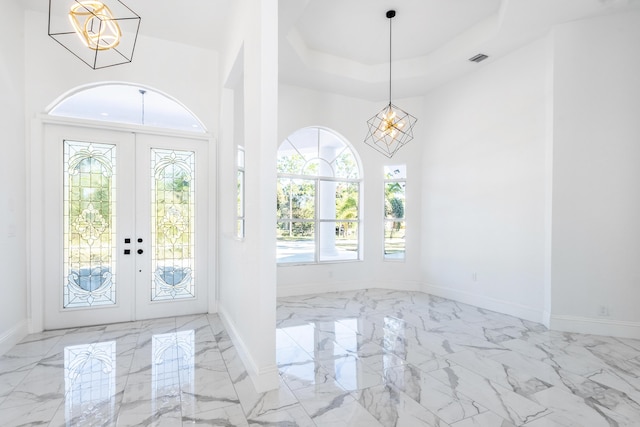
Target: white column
{"x":327,"y":205}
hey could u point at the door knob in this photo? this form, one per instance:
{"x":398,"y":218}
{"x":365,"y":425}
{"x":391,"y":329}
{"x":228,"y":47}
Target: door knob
{"x":140,"y":251}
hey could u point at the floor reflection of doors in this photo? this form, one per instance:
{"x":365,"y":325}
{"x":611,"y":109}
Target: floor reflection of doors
{"x":90,"y":382}
{"x":131,"y":208}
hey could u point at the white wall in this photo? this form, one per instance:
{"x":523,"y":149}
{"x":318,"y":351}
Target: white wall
{"x":483,"y":185}
{"x":186,"y":73}
{"x":247,"y":272}
{"x":596,"y":169}
{"x":13,"y":232}
{"x":300,"y":108}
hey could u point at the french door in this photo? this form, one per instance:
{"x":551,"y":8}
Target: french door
{"x":125,"y":224}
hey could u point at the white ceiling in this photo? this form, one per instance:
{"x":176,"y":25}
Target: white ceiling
{"x":342,"y":46}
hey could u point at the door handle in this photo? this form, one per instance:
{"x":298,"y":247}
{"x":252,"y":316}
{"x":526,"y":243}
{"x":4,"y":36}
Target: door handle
{"x":140,"y":251}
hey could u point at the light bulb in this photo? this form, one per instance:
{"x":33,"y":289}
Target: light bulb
{"x":95,"y":25}
{"x":390,"y":126}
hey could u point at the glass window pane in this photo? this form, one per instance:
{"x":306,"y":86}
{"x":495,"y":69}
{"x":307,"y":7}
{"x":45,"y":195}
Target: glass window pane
{"x":394,"y":200}
{"x":345,"y":165}
{"x":395,"y":172}
{"x":347,"y":200}
{"x":240,"y":210}
{"x":338,"y":241}
{"x":240,"y":158}
{"x":240,"y":194}
{"x":89,"y":224}
{"x":305,"y":141}
{"x":331,"y":140}
{"x":122,"y":103}
{"x":322,"y":155}
{"x":295,"y":242}
{"x":313,"y":168}
{"x":296,"y":198}
{"x":172,"y":224}
{"x":289,"y":160}
{"x":394,"y":240}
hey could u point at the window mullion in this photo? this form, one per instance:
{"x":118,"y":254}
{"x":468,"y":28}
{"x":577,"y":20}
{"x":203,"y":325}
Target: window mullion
{"x":316,"y":234}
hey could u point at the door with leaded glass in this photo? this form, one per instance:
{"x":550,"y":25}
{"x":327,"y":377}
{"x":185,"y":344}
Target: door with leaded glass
{"x":126,"y":226}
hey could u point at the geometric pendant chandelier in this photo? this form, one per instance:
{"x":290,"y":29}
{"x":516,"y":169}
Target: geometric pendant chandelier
{"x":101,"y":33}
{"x":392,"y":127}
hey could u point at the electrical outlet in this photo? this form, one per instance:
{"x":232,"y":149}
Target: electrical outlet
{"x":474,"y":277}
{"x":603,"y":311}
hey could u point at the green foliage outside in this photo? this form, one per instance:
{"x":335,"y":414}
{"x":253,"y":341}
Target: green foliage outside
{"x":394,"y":211}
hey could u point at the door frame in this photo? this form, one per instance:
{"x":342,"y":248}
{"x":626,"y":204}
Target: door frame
{"x":36,"y":208}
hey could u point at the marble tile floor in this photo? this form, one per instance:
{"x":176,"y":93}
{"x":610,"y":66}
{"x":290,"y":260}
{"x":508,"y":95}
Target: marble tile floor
{"x":363,"y":358}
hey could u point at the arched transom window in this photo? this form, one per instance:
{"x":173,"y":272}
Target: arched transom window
{"x":318,"y":203}
{"x":127,"y":103}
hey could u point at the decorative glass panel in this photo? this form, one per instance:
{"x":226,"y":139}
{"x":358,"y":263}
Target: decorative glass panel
{"x":90,"y":382}
{"x":89,"y":224}
{"x":172,"y":224}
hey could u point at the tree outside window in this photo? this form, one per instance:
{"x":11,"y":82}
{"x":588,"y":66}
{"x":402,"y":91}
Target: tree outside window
{"x":394,"y":212}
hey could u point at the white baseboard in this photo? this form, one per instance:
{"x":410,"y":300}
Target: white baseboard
{"x":13,"y":336}
{"x":340,"y":286}
{"x":263,"y":379}
{"x":584,"y":325}
{"x":596,"y":326}
{"x":488,"y":303}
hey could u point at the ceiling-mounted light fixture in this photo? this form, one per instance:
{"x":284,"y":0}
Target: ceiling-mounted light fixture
{"x":101,"y":33}
{"x":392,"y":127}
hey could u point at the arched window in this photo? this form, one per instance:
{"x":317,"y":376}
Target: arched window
{"x":318,"y":203}
{"x":127,"y":103}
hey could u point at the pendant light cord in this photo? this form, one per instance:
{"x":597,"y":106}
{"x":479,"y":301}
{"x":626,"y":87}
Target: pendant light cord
{"x":390,"y":19}
{"x":142,"y":92}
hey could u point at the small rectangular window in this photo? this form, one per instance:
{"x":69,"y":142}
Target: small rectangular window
{"x":240,"y":194}
{"x":395,"y":181}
